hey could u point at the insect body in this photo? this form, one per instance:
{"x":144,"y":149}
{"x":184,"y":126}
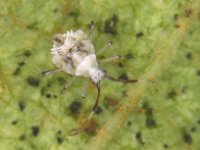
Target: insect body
{"x":74,"y":53}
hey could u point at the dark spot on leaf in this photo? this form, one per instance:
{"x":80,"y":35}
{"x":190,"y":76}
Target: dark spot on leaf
{"x":123,"y":76}
{"x":187,"y":138}
{"x":49,"y":84}
{"x":138,"y":136}
{"x":171,"y":95}
{"x":183,"y":89}
{"x":120,"y":64}
{"x":74,"y":14}
{"x":5,"y":19}
{"x":48,"y":95}
{"x":129,"y":123}
{"x":27,"y":53}
{"x":190,"y":32}
{"x":150,"y":122}
{"x":75,"y":106}
{"x":198,"y":72}
{"x":188,"y":12}
{"x":177,"y":26}
{"x":110,"y":25}
{"x":165,"y":146}
{"x":22,"y":137}
{"x":101,"y":57}
{"x":193,"y":129}
{"x":124,"y":93}
{"x":176,"y":16}
{"x":61,"y":80}
{"x":140,"y":34}
{"x":14,"y":122}
{"x":188,"y":55}
{"x":35,"y":130}
{"x":59,"y":140}
{"x":149,"y":111}
{"x":145,"y":105}
{"x":198,"y":121}
{"x":111,"y":102}
{"x":42,"y":91}
{"x":128,"y":56}
{"x":32,"y":25}
{"x":55,"y":10}
{"x":55,"y":96}
{"x":91,"y":127}
{"x":21,"y":105}
{"x":98,"y":110}
{"x":17,"y":71}
{"x":22,"y":63}
{"x":32,"y":81}
{"x":59,"y":132}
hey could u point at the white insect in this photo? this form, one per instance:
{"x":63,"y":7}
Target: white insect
{"x":74,"y":53}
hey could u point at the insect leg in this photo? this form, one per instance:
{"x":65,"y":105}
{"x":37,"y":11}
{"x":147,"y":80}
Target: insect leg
{"x":108,"y":44}
{"x":78,"y":130}
{"x":105,"y":60}
{"x":84,"y":88}
{"x":91,"y":29}
{"x":52,"y":71}
{"x":67,"y":85}
{"x":119,"y":80}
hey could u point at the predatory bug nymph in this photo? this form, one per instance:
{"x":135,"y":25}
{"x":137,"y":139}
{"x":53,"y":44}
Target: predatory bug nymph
{"x":74,"y":53}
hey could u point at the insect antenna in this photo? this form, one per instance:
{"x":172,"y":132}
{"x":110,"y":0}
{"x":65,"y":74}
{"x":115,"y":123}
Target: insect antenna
{"x":78,"y":130}
{"x":120,"y":80}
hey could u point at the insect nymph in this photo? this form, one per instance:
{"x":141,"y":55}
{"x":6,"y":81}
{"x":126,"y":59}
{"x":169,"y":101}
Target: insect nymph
{"x":74,"y":53}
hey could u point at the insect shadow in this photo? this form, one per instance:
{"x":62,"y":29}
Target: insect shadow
{"x":74,"y":53}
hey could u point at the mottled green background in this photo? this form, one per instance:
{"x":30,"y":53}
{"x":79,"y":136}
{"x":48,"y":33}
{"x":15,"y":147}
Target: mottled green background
{"x":159,"y":41}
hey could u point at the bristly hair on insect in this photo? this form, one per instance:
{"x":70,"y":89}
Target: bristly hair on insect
{"x":74,"y":53}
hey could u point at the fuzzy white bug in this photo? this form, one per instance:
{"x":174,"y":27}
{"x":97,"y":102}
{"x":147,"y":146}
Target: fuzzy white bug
{"x":74,"y":53}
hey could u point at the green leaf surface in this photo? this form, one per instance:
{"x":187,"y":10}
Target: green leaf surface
{"x":159,"y":44}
